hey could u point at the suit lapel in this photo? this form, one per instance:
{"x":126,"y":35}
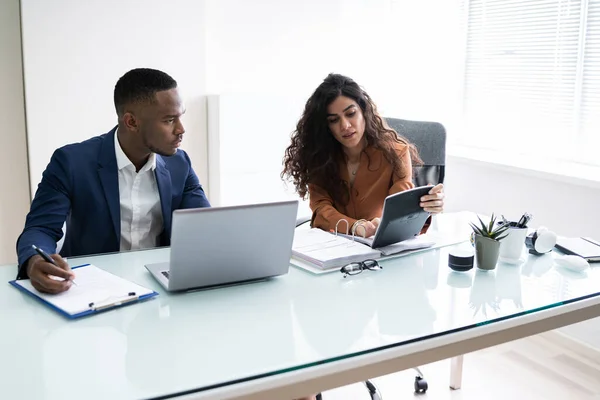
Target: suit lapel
{"x":163,"y":181}
{"x":109,"y":177}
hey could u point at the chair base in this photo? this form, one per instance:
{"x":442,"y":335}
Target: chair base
{"x":421,"y":387}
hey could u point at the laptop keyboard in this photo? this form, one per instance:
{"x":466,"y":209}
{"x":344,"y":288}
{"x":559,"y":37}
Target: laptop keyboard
{"x":165,"y":273}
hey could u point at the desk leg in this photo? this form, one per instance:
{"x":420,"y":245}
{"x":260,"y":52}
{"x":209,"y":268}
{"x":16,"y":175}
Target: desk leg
{"x":456,"y":369}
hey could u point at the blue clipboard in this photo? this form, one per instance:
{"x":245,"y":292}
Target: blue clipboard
{"x":121,"y":302}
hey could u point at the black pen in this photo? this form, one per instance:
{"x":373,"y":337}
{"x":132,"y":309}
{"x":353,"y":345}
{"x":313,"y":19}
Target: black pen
{"x":46,"y":257}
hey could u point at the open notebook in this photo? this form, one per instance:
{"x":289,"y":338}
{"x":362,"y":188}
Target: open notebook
{"x":326,"y":250}
{"x":95,"y":290}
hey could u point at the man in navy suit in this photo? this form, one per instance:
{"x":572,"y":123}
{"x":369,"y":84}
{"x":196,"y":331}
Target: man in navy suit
{"x":116,"y":191}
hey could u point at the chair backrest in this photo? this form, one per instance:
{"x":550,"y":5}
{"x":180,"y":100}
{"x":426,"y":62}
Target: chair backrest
{"x":430,"y":140}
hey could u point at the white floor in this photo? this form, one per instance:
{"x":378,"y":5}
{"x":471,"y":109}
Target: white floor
{"x":539,"y":367}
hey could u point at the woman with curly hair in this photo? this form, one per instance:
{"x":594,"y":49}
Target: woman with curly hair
{"x":347,"y":160}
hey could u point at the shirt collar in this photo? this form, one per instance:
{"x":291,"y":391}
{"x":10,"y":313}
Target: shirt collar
{"x":124,"y":162}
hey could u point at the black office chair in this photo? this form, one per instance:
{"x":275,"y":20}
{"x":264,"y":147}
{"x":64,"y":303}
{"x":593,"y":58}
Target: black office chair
{"x":430,"y":140}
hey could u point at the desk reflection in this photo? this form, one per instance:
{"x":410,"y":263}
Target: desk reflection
{"x":490,"y":288}
{"x":537,"y":265}
{"x":204,"y":333}
{"x":369,"y":309}
{"x":408,"y":313}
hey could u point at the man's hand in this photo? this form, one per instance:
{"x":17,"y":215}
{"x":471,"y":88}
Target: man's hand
{"x":433,"y":202}
{"x":42,"y":273}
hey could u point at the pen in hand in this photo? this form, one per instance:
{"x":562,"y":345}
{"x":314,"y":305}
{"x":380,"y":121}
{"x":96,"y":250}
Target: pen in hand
{"x":48,"y":259}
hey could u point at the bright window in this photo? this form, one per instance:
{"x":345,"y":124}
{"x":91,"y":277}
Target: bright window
{"x":532,"y":77}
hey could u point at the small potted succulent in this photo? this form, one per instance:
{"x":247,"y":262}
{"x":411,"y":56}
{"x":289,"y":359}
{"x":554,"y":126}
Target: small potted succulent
{"x":487,"y":239}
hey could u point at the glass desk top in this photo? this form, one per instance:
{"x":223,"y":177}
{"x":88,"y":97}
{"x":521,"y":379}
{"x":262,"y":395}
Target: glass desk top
{"x":190,"y":341}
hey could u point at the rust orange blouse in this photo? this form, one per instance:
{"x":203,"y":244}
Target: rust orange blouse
{"x":373,"y":182}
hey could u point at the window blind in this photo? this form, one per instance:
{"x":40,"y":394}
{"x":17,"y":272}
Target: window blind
{"x":532,"y":76}
{"x":590,"y":97}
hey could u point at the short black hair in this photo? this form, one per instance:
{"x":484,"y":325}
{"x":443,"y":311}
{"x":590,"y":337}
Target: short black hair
{"x":139,"y":85}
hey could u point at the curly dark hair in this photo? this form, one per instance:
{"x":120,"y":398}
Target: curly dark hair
{"x":314,"y":154}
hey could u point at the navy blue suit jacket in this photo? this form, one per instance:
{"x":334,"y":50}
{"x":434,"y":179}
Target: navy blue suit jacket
{"x":81,"y":186}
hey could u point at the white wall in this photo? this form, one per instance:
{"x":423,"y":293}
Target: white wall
{"x":75,"y":51}
{"x":265,"y":58}
{"x":245,"y":153}
{"x":568,"y":209}
{"x":405,"y":53}
{"x":14,"y":183}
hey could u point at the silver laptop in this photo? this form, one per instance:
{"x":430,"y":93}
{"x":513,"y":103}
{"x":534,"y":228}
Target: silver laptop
{"x":228,"y":245}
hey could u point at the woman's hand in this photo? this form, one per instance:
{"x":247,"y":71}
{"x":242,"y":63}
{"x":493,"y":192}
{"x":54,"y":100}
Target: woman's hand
{"x":376,"y":221}
{"x":434,"y":201}
{"x":365,"y":229}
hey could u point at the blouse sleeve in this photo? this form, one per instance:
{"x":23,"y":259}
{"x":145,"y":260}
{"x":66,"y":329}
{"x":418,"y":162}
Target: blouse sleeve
{"x":325,"y":215}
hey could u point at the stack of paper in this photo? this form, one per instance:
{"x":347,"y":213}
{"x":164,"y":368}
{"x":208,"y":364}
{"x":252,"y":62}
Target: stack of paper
{"x":418,"y":242}
{"x":325,"y":250}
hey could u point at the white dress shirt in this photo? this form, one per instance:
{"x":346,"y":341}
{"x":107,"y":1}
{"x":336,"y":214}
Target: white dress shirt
{"x":141,"y":215}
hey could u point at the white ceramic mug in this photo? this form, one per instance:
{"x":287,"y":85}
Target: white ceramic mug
{"x":511,"y":247}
